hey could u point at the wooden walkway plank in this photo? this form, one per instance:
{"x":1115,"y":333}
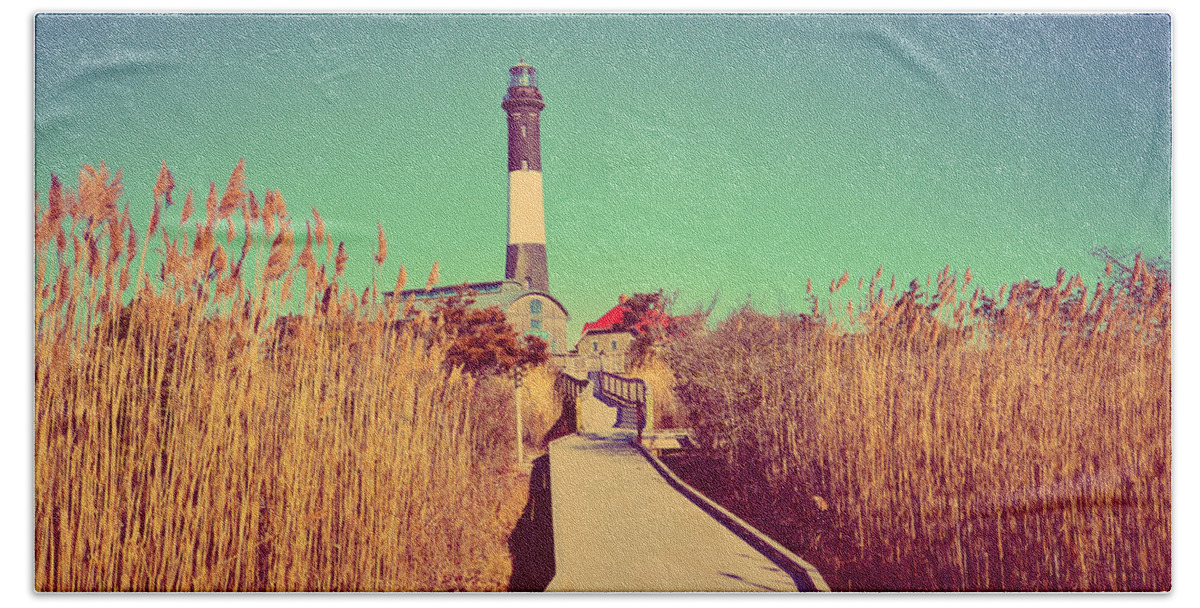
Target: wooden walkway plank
{"x":619,"y":526}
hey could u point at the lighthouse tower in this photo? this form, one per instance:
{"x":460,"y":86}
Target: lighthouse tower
{"x":526,"y":256}
{"x":524,"y":294}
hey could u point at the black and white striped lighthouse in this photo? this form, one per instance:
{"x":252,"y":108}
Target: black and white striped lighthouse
{"x":526,"y":256}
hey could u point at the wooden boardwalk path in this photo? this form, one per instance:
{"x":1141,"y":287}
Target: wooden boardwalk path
{"x":620,"y":526}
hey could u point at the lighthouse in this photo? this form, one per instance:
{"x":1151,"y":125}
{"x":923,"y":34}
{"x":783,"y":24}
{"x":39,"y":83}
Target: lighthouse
{"x":524,"y":294}
{"x":525,"y":260}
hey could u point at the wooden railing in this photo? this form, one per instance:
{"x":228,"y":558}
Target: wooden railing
{"x":568,"y":385}
{"x":630,"y":392}
{"x":629,"y":395}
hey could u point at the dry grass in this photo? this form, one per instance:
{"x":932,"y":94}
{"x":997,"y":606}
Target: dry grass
{"x":540,"y":408}
{"x":539,"y":412}
{"x":188,"y":437}
{"x":661,"y":382}
{"x":952,"y":440}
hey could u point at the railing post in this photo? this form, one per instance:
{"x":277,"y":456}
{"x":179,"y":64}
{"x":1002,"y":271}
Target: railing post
{"x":631,"y":387}
{"x":520,"y":426}
{"x":646,"y":395}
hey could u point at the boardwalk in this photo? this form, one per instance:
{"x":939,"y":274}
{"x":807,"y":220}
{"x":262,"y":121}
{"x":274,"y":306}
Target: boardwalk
{"x":619,"y":526}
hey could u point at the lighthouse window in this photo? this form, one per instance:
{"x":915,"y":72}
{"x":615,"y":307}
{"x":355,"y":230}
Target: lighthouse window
{"x":535,"y":324}
{"x":595,"y":346}
{"x":523,"y":131}
{"x":614,"y":343}
{"x":524,"y":165}
{"x":535,"y":307}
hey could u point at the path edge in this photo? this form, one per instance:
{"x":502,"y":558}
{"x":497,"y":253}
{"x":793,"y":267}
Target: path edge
{"x":805,"y":575}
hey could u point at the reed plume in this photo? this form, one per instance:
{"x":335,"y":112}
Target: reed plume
{"x":235,"y":192}
{"x":381,"y":252}
{"x":164,"y":185}
{"x":433,"y":276}
{"x":280,"y":258}
{"x":210,"y":206}
{"x":188,"y":207}
{"x":320,"y":226}
{"x":339,"y":263}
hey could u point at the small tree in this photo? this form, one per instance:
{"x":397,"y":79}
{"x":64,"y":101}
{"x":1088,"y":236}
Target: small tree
{"x":648,"y":316}
{"x":642,"y":310}
{"x":483,"y":341}
{"x":484,"y":344}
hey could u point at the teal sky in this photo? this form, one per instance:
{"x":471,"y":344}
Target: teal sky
{"x":701,"y":153}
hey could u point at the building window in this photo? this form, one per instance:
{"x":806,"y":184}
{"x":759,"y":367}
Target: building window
{"x":528,"y":280}
{"x":614,"y":343}
{"x":535,"y":323}
{"x":595,"y":346}
{"x":535,"y":307}
{"x":523,"y":131}
{"x":524,"y":165}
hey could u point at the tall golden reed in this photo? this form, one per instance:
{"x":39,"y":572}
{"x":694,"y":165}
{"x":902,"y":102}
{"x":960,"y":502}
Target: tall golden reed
{"x":951,"y":440}
{"x":189,"y":436}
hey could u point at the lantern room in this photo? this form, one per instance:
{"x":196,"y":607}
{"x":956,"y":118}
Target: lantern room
{"x":522,"y":75}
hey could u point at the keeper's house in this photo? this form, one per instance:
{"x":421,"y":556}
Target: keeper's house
{"x":531,"y":312}
{"x":605,"y":343}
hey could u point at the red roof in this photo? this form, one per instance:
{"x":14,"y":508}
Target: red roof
{"x":616,"y":316}
{"x":608,"y":320}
